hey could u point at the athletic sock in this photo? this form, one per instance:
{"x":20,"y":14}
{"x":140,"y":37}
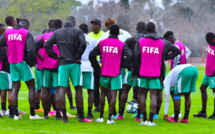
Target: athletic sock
{"x":203,"y":108}
{"x":109,"y":117}
{"x":32,"y":111}
{"x":57,"y":112}
{"x":186,"y":114}
{"x":10,"y":107}
{"x":81,"y":113}
{"x":101,"y":114}
{"x":15,"y":109}
{"x":89,"y":110}
{"x":70,"y":101}
{"x":144,"y":116}
{"x":157,"y":109}
{"x":49,"y":108}
{"x":64,"y":113}
{"x":54,"y":106}
{"x":46,"y":111}
{"x":37,"y":105}
{"x":151,"y":117}
{"x":114,"y":112}
{"x":138,"y":113}
{"x":121,"y":111}
{"x":176,"y":114}
{"x":3,"y":106}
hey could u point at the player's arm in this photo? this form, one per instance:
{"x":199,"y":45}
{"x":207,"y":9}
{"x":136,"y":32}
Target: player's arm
{"x":38,"y":46}
{"x":3,"y":54}
{"x":48,"y":47}
{"x":92,"y":57}
{"x":176,"y":60}
{"x":168,"y":83}
{"x":136,"y":63}
{"x":167,"y":87}
{"x":188,"y":53}
{"x":82,"y":46}
{"x":30,"y":47}
{"x":169,"y":47}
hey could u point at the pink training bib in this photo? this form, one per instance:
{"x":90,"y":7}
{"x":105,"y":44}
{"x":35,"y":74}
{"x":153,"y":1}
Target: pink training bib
{"x":47,"y":61}
{"x":151,"y":57}
{"x":111,"y":53}
{"x":16,"y":39}
{"x":210,"y":66}
{"x":182,"y":48}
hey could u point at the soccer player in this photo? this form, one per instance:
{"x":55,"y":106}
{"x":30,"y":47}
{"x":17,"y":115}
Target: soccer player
{"x":87,"y":70}
{"x":38,"y":79}
{"x":50,"y":71}
{"x":209,"y":77}
{"x":180,"y":59}
{"x":149,"y":56}
{"x":123,"y":35}
{"x":5,"y":83}
{"x":20,"y":39}
{"x":131,"y":42}
{"x":71,"y":43}
{"x":185,"y":52}
{"x":69,"y":95}
{"x":183,"y":79}
{"x":51,"y":26}
{"x":2,"y":29}
{"x":96,"y":34}
{"x":113,"y":51}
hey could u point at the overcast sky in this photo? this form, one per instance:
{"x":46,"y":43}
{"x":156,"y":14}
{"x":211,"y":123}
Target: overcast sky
{"x":158,"y":2}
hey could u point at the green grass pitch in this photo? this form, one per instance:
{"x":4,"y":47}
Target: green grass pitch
{"x":128,"y":125}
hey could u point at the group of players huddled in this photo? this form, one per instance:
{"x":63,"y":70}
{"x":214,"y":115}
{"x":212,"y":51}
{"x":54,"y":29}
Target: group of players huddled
{"x":113,"y":60}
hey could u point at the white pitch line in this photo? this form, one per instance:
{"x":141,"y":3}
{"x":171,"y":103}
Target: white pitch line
{"x":39,"y":131}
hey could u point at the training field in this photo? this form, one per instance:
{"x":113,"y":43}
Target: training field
{"x":128,"y":125}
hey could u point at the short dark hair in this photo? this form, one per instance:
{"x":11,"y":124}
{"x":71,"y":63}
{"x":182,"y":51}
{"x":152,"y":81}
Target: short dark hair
{"x":71,"y":19}
{"x":18,"y":20}
{"x":2,"y":25}
{"x":58,"y":23}
{"x":25,"y":21}
{"x":141,"y":26}
{"x":51,"y":23}
{"x":84,"y":27}
{"x":167,"y":34}
{"x":150,"y":27}
{"x":9,"y":20}
{"x":114,"y":29}
{"x":209,"y":36}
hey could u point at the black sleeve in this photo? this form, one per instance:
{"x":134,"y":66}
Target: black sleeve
{"x":126,"y":57}
{"x":30,"y":47}
{"x":137,"y":60}
{"x":128,"y":43}
{"x":38,"y":45}
{"x":82,"y":45}
{"x":169,"y":47}
{"x":3,"y":53}
{"x":48,"y":46}
{"x":93,"y":60}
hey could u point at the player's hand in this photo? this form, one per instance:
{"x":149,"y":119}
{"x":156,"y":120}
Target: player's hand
{"x":78,"y":61}
{"x":133,"y":78}
{"x":40,"y":57}
{"x":165,"y":117}
{"x":58,"y":57}
{"x":161,"y":80}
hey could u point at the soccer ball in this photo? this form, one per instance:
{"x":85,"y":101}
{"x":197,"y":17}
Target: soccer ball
{"x":132,"y":108}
